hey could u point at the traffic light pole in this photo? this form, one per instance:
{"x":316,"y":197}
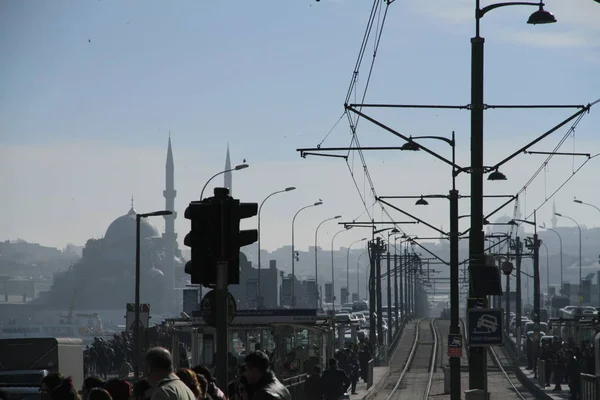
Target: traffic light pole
{"x":222,"y":327}
{"x":389,"y":298}
{"x":222,"y":306}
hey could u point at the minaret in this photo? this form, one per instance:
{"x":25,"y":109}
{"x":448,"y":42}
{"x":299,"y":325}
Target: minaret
{"x":554,"y":220}
{"x":227,"y":179}
{"x":170,"y":236}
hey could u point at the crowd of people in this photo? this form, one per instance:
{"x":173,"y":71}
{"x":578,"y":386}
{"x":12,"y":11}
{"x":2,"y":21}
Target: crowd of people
{"x":162,"y":382}
{"x":564,"y":362}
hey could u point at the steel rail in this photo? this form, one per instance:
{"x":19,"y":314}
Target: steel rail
{"x":433,"y":358}
{"x":499,"y":364}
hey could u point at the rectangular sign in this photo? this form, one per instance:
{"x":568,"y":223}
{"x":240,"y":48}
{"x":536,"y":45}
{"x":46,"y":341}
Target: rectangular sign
{"x":130,"y":316}
{"x":485,"y":326}
{"x":454,"y":345}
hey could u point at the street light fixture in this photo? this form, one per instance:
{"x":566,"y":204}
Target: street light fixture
{"x":477,"y":356}
{"x":318,"y":203}
{"x":333,"y":283}
{"x":496,"y":176}
{"x":316,"y":260}
{"x":580,"y":294}
{"x":236,"y":168}
{"x":421,"y":202}
{"x":541,"y":16}
{"x":348,"y":263}
{"x":287,"y":189}
{"x":561,"y":253}
{"x":136,"y":323}
{"x":586,"y":204}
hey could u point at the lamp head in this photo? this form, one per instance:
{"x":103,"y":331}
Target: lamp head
{"x":318,"y":203}
{"x":421,"y":202}
{"x":337,"y":216}
{"x":410,"y":146}
{"x":241,"y":166}
{"x":512,"y":222}
{"x":578,"y":201}
{"x":558,"y":214}
{"x":496,"y":176}
{"x":395,"y":230}
{"x":289,"y":189}
{"x":363,"y":239}
{"x":541,"y":16}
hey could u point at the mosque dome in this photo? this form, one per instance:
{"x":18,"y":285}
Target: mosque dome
{"x":123,"y":228}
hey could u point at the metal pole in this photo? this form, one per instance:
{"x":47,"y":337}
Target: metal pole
{"x":378,"y":293}
{"x":389,"y":297}
{"x":372,"y":299}
{"x":547,"y":269}
{"x":561,"y":257}
{"x":293,"y":265}
{"x":136,"y":324}
{"x":477,"y":355}
{"x":402,"y":290}
{"x":396,"y":286}
{"x":580,"y":274}
{"x":222,"y":308}
{"x":259,"y":302}
{"x":455,"y":384}
{"x":507,"y":303}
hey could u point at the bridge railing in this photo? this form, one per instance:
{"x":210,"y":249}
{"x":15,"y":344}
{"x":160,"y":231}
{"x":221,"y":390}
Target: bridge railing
{"x":590,"y":387}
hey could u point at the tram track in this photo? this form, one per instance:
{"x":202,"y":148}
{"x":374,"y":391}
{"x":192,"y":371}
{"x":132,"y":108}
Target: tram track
{"x":421,"y":364}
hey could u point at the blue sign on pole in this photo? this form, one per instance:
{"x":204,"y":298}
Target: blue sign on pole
{"x":454,"y":345}
{"x":485,"y":326}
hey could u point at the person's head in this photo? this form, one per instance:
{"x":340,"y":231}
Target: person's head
{"x":190,"y":379}
{"x":257,"y":347}
{"x":140,"y":388}
{"x":316,"y":370}
{"x":98,"y":393}
{"x":202,"y":384}
{"x":90,"y":383}
{"x":333,"y":363}
{"x":159,"y":364}
{"x":65,"y":391}
{"x":49,"y":383}
{"x":118,"y":389}
{"x":257,"y":365}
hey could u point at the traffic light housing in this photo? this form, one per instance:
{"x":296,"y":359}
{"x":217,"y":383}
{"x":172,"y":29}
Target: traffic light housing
{"x":234,"y":213}
{"x":204,"y":240}
{"x":216,"y":237}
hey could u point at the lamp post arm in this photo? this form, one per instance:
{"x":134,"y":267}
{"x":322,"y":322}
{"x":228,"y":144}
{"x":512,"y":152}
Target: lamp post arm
{"x":213,"y":177}
{"x":591,"y":205}
{"x":482,"y":11}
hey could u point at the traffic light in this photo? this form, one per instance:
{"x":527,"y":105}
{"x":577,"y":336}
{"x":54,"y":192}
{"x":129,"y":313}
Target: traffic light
{"x":204,"y":240}
{"x":234,"y":212}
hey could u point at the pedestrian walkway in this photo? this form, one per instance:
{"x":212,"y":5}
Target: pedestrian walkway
{"x":542,"y":392}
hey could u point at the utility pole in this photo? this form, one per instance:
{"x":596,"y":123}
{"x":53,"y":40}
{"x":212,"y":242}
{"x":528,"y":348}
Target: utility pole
{"x":378,"y":249}
{"x":372,"y":293}
{"x":455,"y":384}
{"x":518,"y":305}
{"x":396,"y":287}
{"x":389,"y":296}
{"x":401,"y":287}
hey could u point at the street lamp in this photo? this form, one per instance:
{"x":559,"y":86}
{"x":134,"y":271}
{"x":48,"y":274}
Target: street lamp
{"x":358,"y":275}
{"x":477,"y":359}
{"x":547,"y":268}
{"x":333,"y":283}
{"x":561,"y":254}
{"x":348,"y":263}
{"x":136,"y":322}
{"x":287,"y":189}
{"x":318,"y":203}
{"x":236,"y":168}
{"x":580,"y":294}
{"x":316,"y":262}
{"x":587,"y":204}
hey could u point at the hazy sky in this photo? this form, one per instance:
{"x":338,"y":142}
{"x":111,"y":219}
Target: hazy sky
{"x":90,"y":89}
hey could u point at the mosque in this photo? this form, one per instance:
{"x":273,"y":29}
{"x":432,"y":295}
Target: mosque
{"x":104,"y":278}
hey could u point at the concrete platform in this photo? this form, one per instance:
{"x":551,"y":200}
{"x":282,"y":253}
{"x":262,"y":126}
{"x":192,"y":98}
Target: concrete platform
{"x":527,"y":378}
{"x":379,"y":376}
